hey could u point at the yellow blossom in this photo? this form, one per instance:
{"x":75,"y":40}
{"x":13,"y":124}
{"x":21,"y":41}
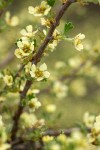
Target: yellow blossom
{"x":88,"y":120}
{"x":47,"y":22}
{"x":28,"y":120}
{"x":1,"y":122}
{"x":25,"y":48}
{"x":14,"y":21}
{"x":8,"y":79}
{"x":34,"y":104}
{"x":28,"y":32}
{"x":51,"y":108}
{"x":39,"y":73}
{"x":78,"y":41}
{"x":4,"y":146}
{"x":60,"y":89}
{"x":47,"y":138}
{"x":41,"y":10}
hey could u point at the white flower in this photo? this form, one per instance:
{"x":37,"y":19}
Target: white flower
{"x":34,"y":104}
{"x":60,"y":89}
{"x":52,"y":45}
{"x":41,"y":10}
{"x":47,"y":138}
{"x":89,"y":120}
{"x":78,"y":41}
{"x":39,"y":73}
{"x":60,"y":65}
{"x":28,"y":32}
{"x":97,"y":125}
{"x":1,"y":122}
{"x":51,"y":108}
{"x":47,"y":22}
{"x":4,"y":146}
{"x":8,"y":79}
{"x":25,"y":48}
{"x":14,"y":21}
{"x":33,"y":91}
{"x":55,"y":147}
{"x":28,"y":67}
{"x":28,"y":120}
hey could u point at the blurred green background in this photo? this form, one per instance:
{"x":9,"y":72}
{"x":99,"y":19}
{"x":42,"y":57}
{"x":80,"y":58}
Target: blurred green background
{"x":86,"y":20}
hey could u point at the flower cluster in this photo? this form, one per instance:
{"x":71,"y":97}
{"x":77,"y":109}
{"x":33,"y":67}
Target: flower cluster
{"x":8,"y":79}
{"x":78,"y":41}
{"x":3,"y":136}
{"x":94,"y":137}
{"x":34,"y":104}
{"x":41,"y":10}
{"x":38,"y":73}
{"x":76,"y":141}
{"x":11,"y":21}
{"x":60,"y":89}
{"x":26,"y":45}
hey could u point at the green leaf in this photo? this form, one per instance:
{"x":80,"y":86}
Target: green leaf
{"x":68,"y":26}
{"x":51,"y":2}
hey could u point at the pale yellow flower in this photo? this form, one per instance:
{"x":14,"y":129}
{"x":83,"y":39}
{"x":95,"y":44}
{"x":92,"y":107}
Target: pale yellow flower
{"x":47,"y":138}
{"x":28,"y":120}
{"x":28,"y":67}
{"x":34,"y":104}
{"x":39,"y":73}
{"x":97,"y":125}
{"x":52,"y":45}
{"x":33,"y":91}
{"x":60,"y":89}
{"x":41,"y":10}
{"x":60,"y":64}
{"x":62,"y":138}
{"x":51,"y":108}
{"x":28,"y":32}
{"x":78,"y":41}
{"x":8,"y":79}
{"x":4,"y":146}
{"x":47,"y":22}
{"x":11,"y":21}
{"x":25,"y":48}
{"x":40,"y":123}
{"x":1,"y":122}
{"x":75,"y":62}
{"x":88,"y":119}
{"x":55,"y":146}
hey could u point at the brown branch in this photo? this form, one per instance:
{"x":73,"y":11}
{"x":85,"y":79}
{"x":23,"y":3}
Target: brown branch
{"x":19,"y":111}
{"x":35,"y":60}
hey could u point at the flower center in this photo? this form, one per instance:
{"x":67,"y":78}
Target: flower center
{"x":26,"y":48}
{"x":41,"y":9}
{"x":39,"y":73}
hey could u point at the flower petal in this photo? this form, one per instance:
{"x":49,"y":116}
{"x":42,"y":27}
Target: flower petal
{"x":29,"y":28}
{"x":43,"y":67}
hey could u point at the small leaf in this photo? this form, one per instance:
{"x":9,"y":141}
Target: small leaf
{"x":68,"y":26}
{"x":51,"y":2}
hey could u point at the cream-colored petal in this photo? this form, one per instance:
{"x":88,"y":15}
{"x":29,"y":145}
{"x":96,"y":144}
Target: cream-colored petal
{"x":79,"y":47}
{"x":40,"y":78}
{"x":18,"y":53}
{"x":43,"y":67}
{"x":29,"y":28}
{"x":33,"y":68}
{"x":19,"y":44}
{"x":32,"y":74}
{"x":46,"y":74}
{"x":31,"y":10}
{"x":23,"y":32}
